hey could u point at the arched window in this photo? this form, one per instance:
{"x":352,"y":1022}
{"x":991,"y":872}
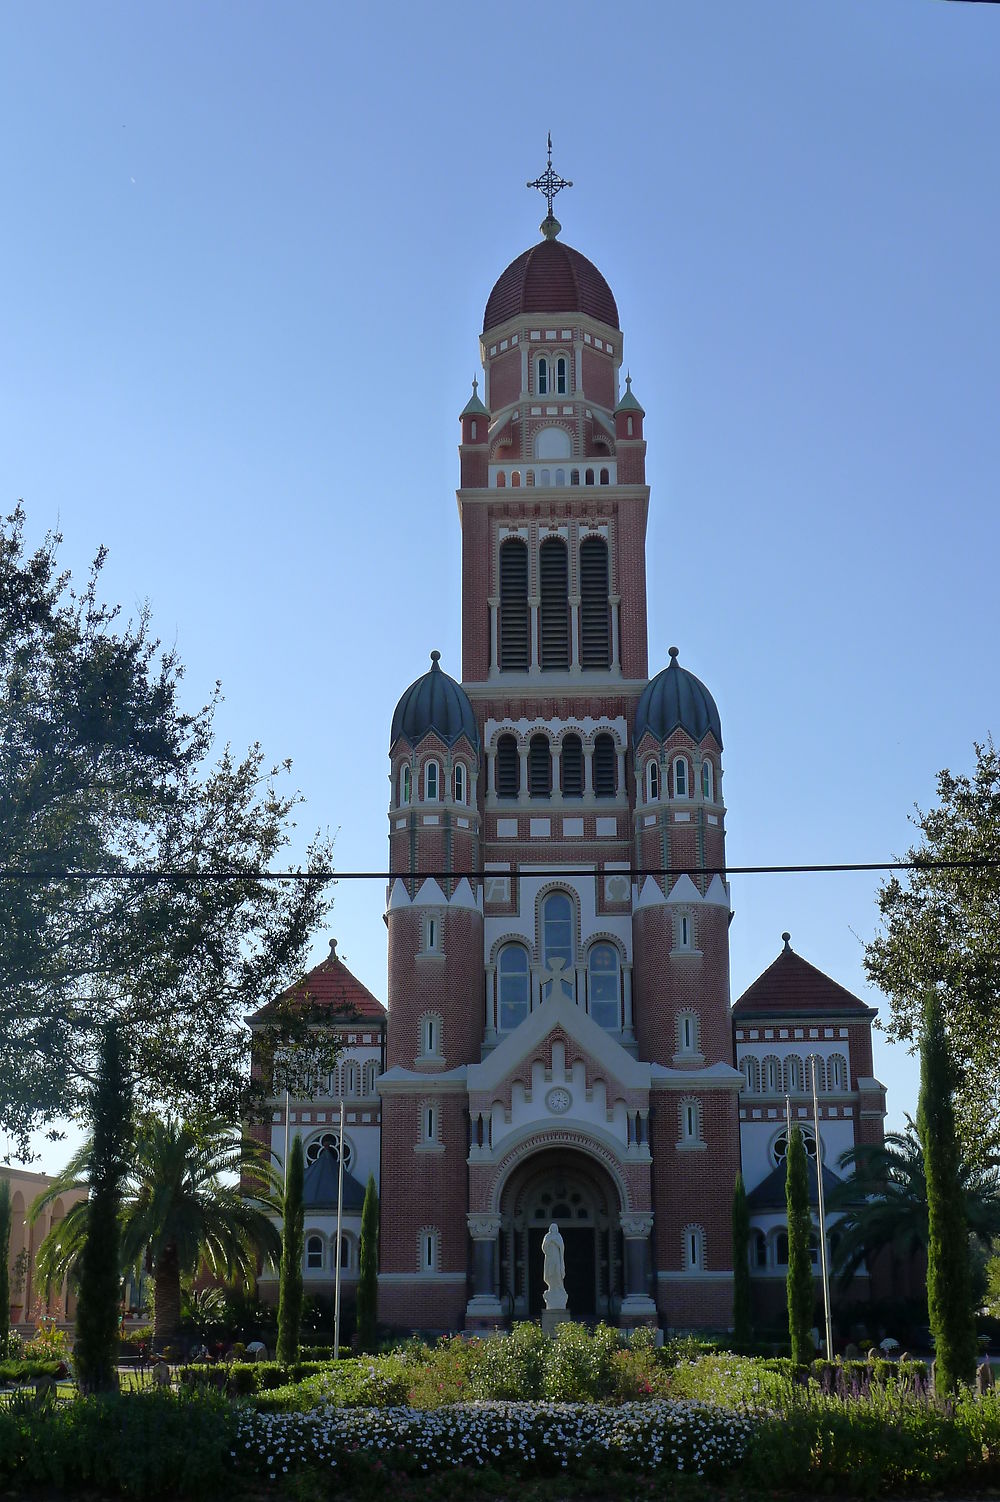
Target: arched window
{"x":652,"y":780}
{"x":529,"y":478}
{"x":430,"y":1036}
{"x":560,"y":477}
{"x":588,"y":478}
{"x":431,"y":933}
{"x":350,"y":1078}
{"x":605,"y":477}
{"x":512,"y":987}
{"x":546,"y":478}
{"x":574,"y":477}
{"x":542,"y":376}
{"x":553,"y":443}
{"x":628,"y":426}
{"x":508,"y":768}
{"x":553,"y":623}
{"x":604,"y":984}
{"x":562,"y":377}
{"x":427,"y":1249}
{"x":514,"y":634}
{"x":595,"y":618}
{"x":758,"y":1249}
{"x":687,"y":1033}
{"x":779,"y":1147}
{"x":405,"y":785}
{"x":694,"y":1248}
{"x":751,"y":1074}
{"x":501,"y":479}
{"x":539,"y":767}
{"x":329,"y":1142}
{"x":345,"y":1252}
{"x":605,"y":766}
{"x":460,"y":782}
{"x":683,"y":931}
{"x":572,"y":767}
{"x":314,"y":1253}
{"x":690,"y":1121}
{"x":837,"y":1072}
{"x":429,"y":1122}
{"x":369,"y":1076}
{"x":557,"y":930}
{"x":772,"y":1077}
{"x":781,"y":1249}
{"x":793,"y":1075}
{"x":515,"y":479}
{"x":473,"y":430}
{"x":432,"y":781}
{"x":707,"y":780}
{"x":680,"y":778}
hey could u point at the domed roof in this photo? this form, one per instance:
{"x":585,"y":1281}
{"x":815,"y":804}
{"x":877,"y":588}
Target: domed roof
{"x":676,"y":700}
{"x":435,"y":702}
{"x":550,"y":278}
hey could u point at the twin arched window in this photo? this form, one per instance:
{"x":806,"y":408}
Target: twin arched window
{"x":552,"y":377}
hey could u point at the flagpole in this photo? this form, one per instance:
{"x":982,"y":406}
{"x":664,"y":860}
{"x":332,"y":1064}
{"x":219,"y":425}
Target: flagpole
{"x":285,"y":1160}
{"x":822,"y":1217}
{"x":340,"y":1212}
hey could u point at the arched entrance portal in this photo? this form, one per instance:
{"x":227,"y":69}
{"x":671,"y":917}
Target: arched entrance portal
{"x":579,"y":1195}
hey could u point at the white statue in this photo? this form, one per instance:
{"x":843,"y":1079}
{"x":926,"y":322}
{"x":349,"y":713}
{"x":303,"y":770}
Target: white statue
{"x":554,"y":1268}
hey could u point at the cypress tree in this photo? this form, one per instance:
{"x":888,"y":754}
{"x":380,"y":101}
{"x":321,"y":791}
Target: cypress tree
{"x":949,"y":1290}
{"x":368,"y":1273}
{"x":741,"y":1265}
{"x":5,"y":1225}
{"x":99,"y":1291}
{"x":799,"y":1283}
{"x":290,"y":1287}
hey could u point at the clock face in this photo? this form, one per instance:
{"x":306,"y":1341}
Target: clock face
{"x":559,"y":1100}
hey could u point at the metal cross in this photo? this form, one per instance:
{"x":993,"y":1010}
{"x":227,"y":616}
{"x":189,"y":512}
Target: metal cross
{"x":550,"y":183}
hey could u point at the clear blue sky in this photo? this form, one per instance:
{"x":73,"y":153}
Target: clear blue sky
{"x":246,"y":255}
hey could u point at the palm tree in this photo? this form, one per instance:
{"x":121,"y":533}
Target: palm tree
{"x":182,"y":1208}
{"x":883,"y":1204}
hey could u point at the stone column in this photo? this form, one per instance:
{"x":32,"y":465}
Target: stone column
{"x":574,"y":633}
{"x":614,"y":601}
{"x":637,"y":1306}
{"x":494,"y":605}
{"x":484,"y":1308}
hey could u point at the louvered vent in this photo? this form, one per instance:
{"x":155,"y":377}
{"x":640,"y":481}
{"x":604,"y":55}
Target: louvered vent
{"x":508,"y":767}
{"x":572,"y":767}
{"x":554,"y":623}
{"x":514,"y":605}
{"x":595,"y":621}
{"x":539,"y":767}
{"x":605,"y":759}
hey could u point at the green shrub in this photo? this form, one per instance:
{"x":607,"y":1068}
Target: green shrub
{"x":30,"y":1371}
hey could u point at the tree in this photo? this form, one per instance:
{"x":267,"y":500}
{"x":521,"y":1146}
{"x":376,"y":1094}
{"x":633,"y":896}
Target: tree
{"x":103,"y":771}
{"x":181,"y":1210}
{"x":942,"y":928}
{"x":741,"y":1264}
{"x":949,"y":1291}
{"x":799,"y":1283}
{"x":5,"y":1228}
{"x":883,"y":1203}
{"x":99,"y":1284}
{"x":290,"y":1287}
{"x":367,"y":1309}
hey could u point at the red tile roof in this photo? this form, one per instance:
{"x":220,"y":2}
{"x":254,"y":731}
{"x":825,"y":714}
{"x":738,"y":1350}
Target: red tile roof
{"x":330,"y":984}
{"x":792,"y":985}
{"x":550,"y":278}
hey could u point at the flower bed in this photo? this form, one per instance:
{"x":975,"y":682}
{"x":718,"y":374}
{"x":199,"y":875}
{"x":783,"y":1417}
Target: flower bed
{"x":526,"y":1438}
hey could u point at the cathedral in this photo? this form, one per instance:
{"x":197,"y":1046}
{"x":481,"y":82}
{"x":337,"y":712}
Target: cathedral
{"x":559,"y":1043}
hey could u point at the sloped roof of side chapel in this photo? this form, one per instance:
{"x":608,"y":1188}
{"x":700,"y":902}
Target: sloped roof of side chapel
{"x":332,"y":988}
{"x":791,"y":986}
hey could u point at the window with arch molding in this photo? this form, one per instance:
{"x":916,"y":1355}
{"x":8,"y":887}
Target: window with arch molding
{"x":515,"y":479}
{"x":588,"y":478}
{"x":460,"y":782}
{"x":574,"y":477}
{"x":539,"y":767}
{"x":558,"y":933}
{"x":691,"y":1121}
{"x":432,"y":781}
{"x":513,"y":625}
{"x":430,"y":1035}
{"x":652,"y":780}
{"x":474,"y":430}
{"x":405,"y":785}
{"x":680,"y":777}
{"x":350,"y":1078}
{"x":814,"y":1065}
{"x":346,"y":1253}
{"x":605,"y":477}
{"x":542,"y":375}
{"x":314,"y":1253}
{"x":508,"y":767}
{"x":694,"y":1248}
{"x":595,"y":607}
{"x":707,"y":780}
{"x":794,"y":1075}
{"x":432,"y":933}
{"x":772,"y":1076}
{"x":837,"y":1072}
{"x":513,"y":977}
{"x":571,"y":766}
{"x":605,"y":766}
{"x":428,"y":1241}
{"x":369,"y":1076}
{"x":628,"y":427}
{"x":560,"y":477}
{"x":683,"y":931}
{"x":430,"y":1123}
{"x":604,"y":985}
{"x":562,"y":376}
{"x":758,"y":1249}
{"x":501,"y":480}
{"x":751,"y":1073}
{"x":687,"y":1032}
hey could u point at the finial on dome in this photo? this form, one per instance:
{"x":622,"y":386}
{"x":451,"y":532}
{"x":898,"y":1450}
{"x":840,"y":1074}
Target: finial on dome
{"x":475,"y":385}
{"x":673,"y":653}
{"x":786,"y":936}
{"x":435,"y":659}
{"x":333,"y":949}
{"x":628,"y":380}
{"x":549,"y":184}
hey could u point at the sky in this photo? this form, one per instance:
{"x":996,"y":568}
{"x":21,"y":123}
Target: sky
{"x":248,"y":249}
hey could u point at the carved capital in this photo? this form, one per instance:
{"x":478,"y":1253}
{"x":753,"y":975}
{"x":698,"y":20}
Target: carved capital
{"x":637,"y":1225}
{"x":483,"y":1227}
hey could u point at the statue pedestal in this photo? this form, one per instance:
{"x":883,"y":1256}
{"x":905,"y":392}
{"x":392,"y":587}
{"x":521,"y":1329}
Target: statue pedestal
{"x":553,"y":1317}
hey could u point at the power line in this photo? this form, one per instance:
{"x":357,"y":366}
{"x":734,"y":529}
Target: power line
{"x":151,"y":875}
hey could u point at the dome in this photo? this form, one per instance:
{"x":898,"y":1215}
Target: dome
{"x":435,"y":702}
{"x":676,"y":700}
{"x":550,"y":278}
